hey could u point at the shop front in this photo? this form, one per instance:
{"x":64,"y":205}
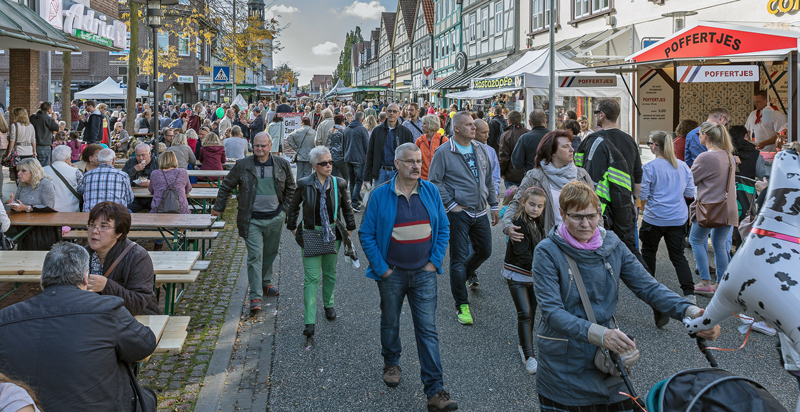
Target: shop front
{"x":712,"y":65}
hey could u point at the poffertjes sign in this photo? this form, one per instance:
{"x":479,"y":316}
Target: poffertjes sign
{"x":713,"y":41}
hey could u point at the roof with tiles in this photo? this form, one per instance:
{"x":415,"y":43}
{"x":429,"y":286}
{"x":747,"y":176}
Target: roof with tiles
{"x":388,"y":22}
{"x":409,"y":12}
{"x":428,"y":9}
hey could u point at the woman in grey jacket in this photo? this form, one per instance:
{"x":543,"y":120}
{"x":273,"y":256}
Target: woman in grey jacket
{"x":566,"y":340}
{"x":554,"y":169}
{"x":302,"y":141}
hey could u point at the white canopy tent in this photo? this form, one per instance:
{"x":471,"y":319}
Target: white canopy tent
{"x":108,"y":89}
{"x":534,"y":69}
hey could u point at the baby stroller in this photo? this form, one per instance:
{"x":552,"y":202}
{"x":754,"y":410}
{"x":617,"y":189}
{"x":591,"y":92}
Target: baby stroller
{"x":709,"y":390}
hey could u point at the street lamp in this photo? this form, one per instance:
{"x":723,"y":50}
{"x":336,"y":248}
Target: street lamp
{"x":154,"y":14}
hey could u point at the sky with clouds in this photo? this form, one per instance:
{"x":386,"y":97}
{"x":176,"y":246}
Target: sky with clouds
{"x":317,"y":29}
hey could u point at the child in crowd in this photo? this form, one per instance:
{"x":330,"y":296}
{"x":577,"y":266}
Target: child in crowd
{"x":74,"y":143}
{"x":517,"y":270}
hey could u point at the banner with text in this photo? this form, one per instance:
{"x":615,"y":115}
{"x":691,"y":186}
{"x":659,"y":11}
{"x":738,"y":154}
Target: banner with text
{"x":587,"y":81}
{"x":717,"y":74}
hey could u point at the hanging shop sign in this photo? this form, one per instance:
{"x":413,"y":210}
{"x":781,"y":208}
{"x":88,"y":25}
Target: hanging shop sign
{"x":587,"y":81}
{"x":204,"y":79}
{"x":710,"y":40}
{"x":291,"y":122}
{"x":717,"y":74}
{"x":77,"y":20}
{"x":498,"y":83}
{"x":185,"y":79}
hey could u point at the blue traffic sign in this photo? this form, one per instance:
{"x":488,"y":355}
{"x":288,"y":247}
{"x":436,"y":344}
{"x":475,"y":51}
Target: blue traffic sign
{"x":221,"y":74}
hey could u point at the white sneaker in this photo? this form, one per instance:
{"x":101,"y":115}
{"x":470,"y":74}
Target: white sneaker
{"x":531,"y":366}
{"x":521,"y":354}
{"x":691,"y":299}
{"x":763,"y":328}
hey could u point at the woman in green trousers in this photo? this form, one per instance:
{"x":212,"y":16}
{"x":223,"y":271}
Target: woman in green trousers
{"x":324,"y":200}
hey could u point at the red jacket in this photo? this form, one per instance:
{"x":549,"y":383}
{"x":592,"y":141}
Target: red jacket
{"x":194,"y":123}
{"x":213,"y":157}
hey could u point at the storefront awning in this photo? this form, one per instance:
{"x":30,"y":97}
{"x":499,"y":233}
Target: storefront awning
{"x":479,"y":94}
{"x":22,"y":28}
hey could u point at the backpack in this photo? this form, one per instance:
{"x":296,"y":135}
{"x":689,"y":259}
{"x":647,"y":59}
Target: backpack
{"x":170,"y":200}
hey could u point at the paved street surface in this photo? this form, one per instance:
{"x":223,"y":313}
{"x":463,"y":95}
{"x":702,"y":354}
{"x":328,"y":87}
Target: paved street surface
{"x":340,"y":369}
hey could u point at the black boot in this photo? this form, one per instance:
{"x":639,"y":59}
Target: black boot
{"x":309,"y":330}
{"x":330,"y":313}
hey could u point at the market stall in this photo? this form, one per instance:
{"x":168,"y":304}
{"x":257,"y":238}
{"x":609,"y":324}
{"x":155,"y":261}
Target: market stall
{"x":109,"y":89}
{"x":711,"y":65}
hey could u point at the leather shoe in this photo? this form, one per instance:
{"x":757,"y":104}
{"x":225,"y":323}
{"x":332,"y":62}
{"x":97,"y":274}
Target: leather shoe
{"x":330,"y":313}
{"x":309,"y":330}
{"x":391,"y":375}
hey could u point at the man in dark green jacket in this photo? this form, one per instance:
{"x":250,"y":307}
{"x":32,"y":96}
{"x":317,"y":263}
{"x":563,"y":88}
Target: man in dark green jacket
{"x":264,"y":183}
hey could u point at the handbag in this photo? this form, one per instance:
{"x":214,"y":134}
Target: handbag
{"x":6,"y":243}
{"x":714,"y":215}
{"x":602,"y":358}
{"x":294,"y":156}
{"x":145,"y":398}
{"x":69,"y":186}
{"x":313,"y":245}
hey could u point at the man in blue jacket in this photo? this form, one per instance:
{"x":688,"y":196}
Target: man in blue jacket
{"x":404,"y":235}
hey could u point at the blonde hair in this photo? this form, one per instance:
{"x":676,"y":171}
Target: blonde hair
{"x":167,"y":160}
{"x":431,"y":123}
{"x":717,"y":135}
{"x":21,"y":116}
{"x":578,"y":196}
{"x":181,"y":140}
{"x":326,"y":114}
{"x":664,"y":141}
{"x":370,"y":122}
{"x":190,"y":134}
{"x":32,"y":165}
{"x":212,"y":140}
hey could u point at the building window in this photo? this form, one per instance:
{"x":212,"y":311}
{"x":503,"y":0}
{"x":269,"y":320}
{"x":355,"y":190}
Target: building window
{"x":586,"y":8}
{"x":540,"y":10}
{"x":163,"y":42}
{"x":472,"y":29}
{"x":453,"y":39}
{"x":484,"y":22}
{"x":183,"y":46}
{"x":498,"y":17}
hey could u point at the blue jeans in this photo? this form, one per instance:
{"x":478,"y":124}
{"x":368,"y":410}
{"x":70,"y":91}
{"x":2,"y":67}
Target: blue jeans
{"x":356,"y":170}
{"x":384,"y":176}
{"x":463,"y":262}
{"x":719,"y":240}
{"x":420,"y":287}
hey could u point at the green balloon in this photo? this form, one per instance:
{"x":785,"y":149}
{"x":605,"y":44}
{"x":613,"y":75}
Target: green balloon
{"x":220,"y":112}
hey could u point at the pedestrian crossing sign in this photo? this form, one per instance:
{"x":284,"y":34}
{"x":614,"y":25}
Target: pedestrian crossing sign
{"x":221,"y":74}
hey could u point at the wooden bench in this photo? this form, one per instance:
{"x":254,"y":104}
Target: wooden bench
{"x":174,"y":335}
{"x":218,"y":225}
{"x":196,"y":238}
{"x":201,"y":265}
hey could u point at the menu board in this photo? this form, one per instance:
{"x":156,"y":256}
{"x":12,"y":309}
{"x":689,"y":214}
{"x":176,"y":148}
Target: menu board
{"x":655,"y":100}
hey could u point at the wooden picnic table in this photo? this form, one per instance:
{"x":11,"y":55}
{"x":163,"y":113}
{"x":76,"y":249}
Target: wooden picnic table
{"x":170,"y":269}
{"x":201,"y":196}
{"x":172,"y":224}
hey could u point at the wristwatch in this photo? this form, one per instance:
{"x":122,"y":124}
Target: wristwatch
{"x":29,"y":209}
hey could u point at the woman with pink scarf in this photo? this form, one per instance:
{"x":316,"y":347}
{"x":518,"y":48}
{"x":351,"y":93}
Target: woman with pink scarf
{"x":566,"y":340}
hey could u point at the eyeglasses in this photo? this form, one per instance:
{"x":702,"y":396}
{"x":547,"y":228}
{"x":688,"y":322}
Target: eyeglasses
{"x":100,"y":228}
{"x":260,"y":146}
{"x":411,"y":162}
{"x":393,"y":111}
{"x":323,"y":164}
{"x":578,"y":218}
{"x":598,"y":111}
{"x":652,"y":143}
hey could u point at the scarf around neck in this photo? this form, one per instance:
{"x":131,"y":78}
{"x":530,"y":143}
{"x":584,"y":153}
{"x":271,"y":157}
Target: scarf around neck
{"x":327,"y":230}
{"x":595,"y":242}
{"x":560,"y":176}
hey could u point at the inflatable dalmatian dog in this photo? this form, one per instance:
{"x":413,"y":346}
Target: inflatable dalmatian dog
{"x":763,"y":276}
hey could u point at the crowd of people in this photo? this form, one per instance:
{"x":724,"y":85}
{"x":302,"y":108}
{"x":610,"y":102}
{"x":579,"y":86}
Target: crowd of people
{"x":425,"y":179}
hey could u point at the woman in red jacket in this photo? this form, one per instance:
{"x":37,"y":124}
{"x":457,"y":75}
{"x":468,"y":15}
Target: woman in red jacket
{"x":212,"y":154}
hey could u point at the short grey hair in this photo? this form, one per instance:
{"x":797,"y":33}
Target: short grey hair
{"x":317,"y":152}
{"x":107,"y":156}
{"x":142,"y":146}
{"x":262,"y":134}
{"x":62,"y":153}
{"x":431,"y":123}
{"x":359,"y":117}
{"x":65,"y":264}
{"x":405,"y":147}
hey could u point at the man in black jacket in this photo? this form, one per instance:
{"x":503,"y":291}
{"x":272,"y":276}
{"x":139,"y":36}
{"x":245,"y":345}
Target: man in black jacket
{"x":380,"y":153}
{"x":257,"y":125}
{"x":356,"y":142}
{"x":496,"y":127}
{"x":44,"y":125}
{"x":524,"y":154}
{"x":93,"y":131}
{"x":265,"y":184}
{"x":74,"y":346}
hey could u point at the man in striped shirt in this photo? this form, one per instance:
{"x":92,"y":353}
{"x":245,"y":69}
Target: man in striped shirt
{"x":105,"y":183}
{"x":404,"y":235}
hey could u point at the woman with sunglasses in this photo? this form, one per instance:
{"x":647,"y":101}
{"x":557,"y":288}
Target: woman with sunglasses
{"x":666,"y":181}
{"x":324,"y":200}
{"x":567,"y":379}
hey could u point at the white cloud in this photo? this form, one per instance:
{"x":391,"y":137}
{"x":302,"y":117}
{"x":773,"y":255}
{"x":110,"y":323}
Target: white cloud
{"x":280,"y":9}
{"x":369,"y":11}
{"x":326,"y":49}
